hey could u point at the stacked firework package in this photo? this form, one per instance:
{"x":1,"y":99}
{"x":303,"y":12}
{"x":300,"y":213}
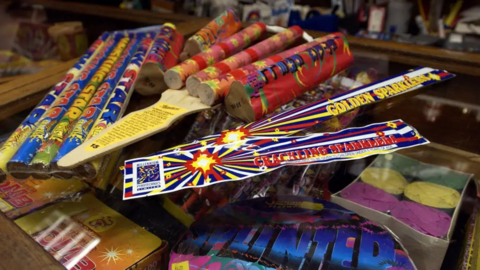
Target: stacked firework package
{"x":87,"y":234}
{"x":93,"y":94}
{"x":419,"y":202}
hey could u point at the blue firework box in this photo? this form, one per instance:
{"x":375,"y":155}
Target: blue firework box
{"x":287,"y":232}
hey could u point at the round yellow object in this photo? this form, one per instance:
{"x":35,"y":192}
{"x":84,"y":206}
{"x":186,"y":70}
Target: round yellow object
{"x":389,"y":180}
{"x":433,"y":195}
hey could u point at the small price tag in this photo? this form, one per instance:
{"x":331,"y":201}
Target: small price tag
{"x":181,"y":266}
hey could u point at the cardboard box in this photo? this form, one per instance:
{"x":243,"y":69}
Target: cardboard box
{"x":19,"y":197}
{"x":86,"y":234}
{"x":426,"y":251}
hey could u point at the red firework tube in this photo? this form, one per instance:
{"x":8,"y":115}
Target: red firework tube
{"x":262,"y":92}
{"x":225,"y":25}
{"x":267,"y":47}
{"x":163,"y":56}
{"x":175,"y":77}
{"x":214,"y":91}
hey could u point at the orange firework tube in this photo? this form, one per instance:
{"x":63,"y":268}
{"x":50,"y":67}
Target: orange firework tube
{"x":175,"y":77}
{"x":163,"y":56}
{"x":259,"y":51}
{"x":260,"y":93}
{"x":225,"y":25}
{"x":213,"y":91}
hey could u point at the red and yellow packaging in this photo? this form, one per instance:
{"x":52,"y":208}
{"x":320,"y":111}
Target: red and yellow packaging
{"x":85,"y":234}
{"x":19,"y":197}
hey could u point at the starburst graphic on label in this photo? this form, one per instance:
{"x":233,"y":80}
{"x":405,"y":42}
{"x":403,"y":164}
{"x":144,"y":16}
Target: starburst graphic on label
{"x":231,"y":136}
{"x":111,"y":255}
{"x":203,"y":161}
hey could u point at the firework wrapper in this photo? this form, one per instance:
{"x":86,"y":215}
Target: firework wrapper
{"x":87,"y":234}
{"x":252,"y":54}
{"x":309,"y":115}
{"x":49,"y":149}
{"x":385,"y":179}
{"x":215,"y":90}
{"x":96,"y":104}
{"x":175,"y":77}
{"x":253,"y":96}
{"x":443,"y":176}
{"x":17,"y":166}
{"x":163,"y":55}
{"x":422,"y":218}
{"x":116,"y":103}
{"x":10,"y":147}
{"x":287,"y":232}
{"x":433,"y":195}
{"x":186,"y":169}
{"x":214,"y":32}
{"x":369,"y":196}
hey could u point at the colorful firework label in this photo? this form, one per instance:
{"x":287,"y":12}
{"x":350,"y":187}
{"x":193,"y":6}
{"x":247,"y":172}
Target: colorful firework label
{"x":245,"y":159}
{"x":301,"y":118}
{"x":287,"y":232}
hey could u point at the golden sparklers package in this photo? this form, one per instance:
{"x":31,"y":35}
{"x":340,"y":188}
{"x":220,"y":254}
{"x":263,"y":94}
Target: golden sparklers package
{"x":86,"y":234}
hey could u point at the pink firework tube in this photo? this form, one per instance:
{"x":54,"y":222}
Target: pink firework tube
{"x":116,"y":105}
{"x":175,"y":77}
{"x":214,"y":91}
{"x":225,"y":25}
{"x":18,"y":164}
{"x":11,"y":145}
{"x":255,"y":95}
{"x":163,"y":56}
{"x":259,"y":51}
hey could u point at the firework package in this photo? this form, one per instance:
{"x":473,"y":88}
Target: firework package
{"x":260,"y":234}
{"x":309,"y":180}
{"x":419,"y":202}
{"x":20,"y":197}
{"x":86,"y":234}
{"x":93,"y":94}
{"x":263,"y":146}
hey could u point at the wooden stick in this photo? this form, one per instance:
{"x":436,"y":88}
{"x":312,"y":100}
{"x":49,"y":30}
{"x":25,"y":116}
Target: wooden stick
{"x":173,"y":105}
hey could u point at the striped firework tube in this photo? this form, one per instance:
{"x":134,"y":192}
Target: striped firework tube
{"x":50,"y":148}
{"x":11,"y":145}
{"x":225,"y":25}
{"x":163,"y":56}
{"x":96,"y":104}
{"x":269,"y":46}
{"x":214,"y":91}
{"x":175,"y":77}
{"x":116,"y":105}
{"x":18,"y":165}
{"x":253,"y":96}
